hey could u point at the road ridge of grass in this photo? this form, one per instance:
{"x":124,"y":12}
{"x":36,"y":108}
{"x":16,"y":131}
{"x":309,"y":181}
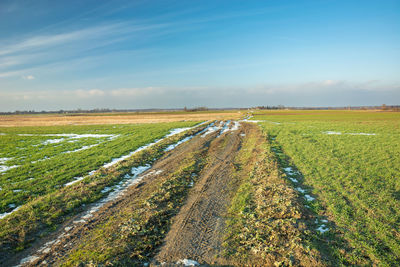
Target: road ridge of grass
{"x":267,"y":223}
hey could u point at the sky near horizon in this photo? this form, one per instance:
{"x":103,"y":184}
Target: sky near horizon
{"x":170,"y":54}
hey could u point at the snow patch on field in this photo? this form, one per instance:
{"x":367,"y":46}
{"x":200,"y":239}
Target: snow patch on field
{"x":188,"y":262}
{"x":322,"y":228}
{"x":3,"y":160}
{"x":210,"y":129}
{"x":80,"y":149}
{"x":235,"y":126}
{"x":28,"y":260}
{"x":75,"y":136}
{"x":362,"y":133}
{"x":12,"y":206}
{"x":339,"y":133}
{"x":309,"y":198}
{"x":53,"y":141}
{"x":225,"y":128}
{"x":293,"y":180}
{"x":301,"y":190}
{"x":76,"y":179}
{"x":331,"y":132}
{"x":289,"y":170}
{"x":170,"y":147}
{"x":4,"y":168}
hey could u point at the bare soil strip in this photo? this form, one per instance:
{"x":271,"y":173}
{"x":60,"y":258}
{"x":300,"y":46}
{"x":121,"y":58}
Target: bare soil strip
{"x":196,"y":230}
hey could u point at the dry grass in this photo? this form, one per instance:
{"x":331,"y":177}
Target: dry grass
{"x":123,"y":118}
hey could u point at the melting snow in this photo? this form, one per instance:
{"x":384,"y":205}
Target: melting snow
{"x":293,"y":180}
{"x":53,"y":141}
{"x":4,"y":168}
{"x":28,"y":260}
{"x":3,"y":160}
{"x":254,"y":121}
{"x":82,"y":148}
{"x":76,"y":179}
{"x":301,"y":190}
{"x":331,"y":132}
{"x":338,"y":133}
{"x":236,"y":126}
{"x":309,"y":198}
{"x":362,"y":133}
{"x":106,"y":189}
{"x":75,"y":136}
{"x":2,"y":215}
{"x":170,"y":147}
{"x":188,"y":262}
{"x":323,"y":228}
{"x":225,"y":128}
{"x":289,"y":170}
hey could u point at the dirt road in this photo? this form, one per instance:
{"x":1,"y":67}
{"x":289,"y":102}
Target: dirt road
{"x":196,"y":229}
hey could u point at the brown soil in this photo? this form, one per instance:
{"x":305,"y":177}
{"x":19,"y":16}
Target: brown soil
{"x":53,"y":120}
{"x":197,"y":230}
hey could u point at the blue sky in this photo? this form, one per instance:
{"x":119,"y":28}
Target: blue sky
{"x":169,"y":54}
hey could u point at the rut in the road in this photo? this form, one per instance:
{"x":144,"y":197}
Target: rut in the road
{"x":196,"y":232}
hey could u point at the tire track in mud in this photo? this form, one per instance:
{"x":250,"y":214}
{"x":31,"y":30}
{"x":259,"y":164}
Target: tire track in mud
{"x":51,"y":250}
{"x":196,"y":232}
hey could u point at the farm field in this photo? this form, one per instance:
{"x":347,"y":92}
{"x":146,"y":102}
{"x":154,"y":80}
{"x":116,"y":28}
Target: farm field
{"x":114,"y":118}
{"x":268,"y":188}
{"x":346,"y":165}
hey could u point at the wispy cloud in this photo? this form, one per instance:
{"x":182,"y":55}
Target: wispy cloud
{"x":35,"y":51}
{"x":28,"y":77}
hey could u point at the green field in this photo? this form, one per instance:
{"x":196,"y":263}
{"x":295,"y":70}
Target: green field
{"x":45,"y":195}
{"x":349,"y":161}
{"x":50,"y":157}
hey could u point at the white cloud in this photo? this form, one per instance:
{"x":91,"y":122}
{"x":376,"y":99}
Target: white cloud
{"x":28,"y":77}
{"x":135,"y":91}
{"x":85,"y":93}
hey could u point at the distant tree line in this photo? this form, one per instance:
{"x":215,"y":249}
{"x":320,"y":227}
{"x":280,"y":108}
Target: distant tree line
{"x":270,"y":107}
{"x":383,"y":107}
{"x":195,"y":109}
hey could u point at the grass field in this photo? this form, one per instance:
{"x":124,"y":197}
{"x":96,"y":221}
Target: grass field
{"x":349,"y":162}
{"x":43,"y":159}
{"x":40,"y":195}
{"x":280,"y":188}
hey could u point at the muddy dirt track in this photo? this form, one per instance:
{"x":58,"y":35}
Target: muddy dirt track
{"x":196,"y":229}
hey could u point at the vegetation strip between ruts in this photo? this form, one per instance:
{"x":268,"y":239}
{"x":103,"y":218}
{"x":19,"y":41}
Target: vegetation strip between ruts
{"x":44,"y":214}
